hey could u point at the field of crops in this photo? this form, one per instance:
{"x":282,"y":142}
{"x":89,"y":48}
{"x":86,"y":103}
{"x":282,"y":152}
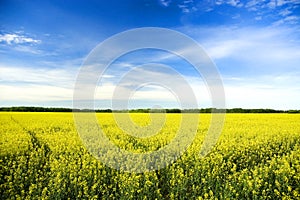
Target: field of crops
{"x":257,"y":157}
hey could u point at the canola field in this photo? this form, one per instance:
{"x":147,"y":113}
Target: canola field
{"x":256,"y":157}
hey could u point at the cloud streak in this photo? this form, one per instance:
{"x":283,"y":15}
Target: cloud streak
{"x":13,"y":38}
{"x":35,"y":85}
{"x":280,"y":11}
{"x":17,"y":76}
{"x":254,"y":47}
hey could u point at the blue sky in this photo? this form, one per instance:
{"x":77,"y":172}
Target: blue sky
{"x":254,"y":44}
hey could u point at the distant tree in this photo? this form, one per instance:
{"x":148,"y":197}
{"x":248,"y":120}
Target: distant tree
{"x":293,"y":111}
{"x":146,"y":110}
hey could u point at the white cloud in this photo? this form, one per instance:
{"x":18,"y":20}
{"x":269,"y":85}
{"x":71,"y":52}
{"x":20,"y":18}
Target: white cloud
{"x":184,"y":8}
{"x":279,"y":92}
{"x":285,"y":12}
{"x":266,"y":8}
{"x":272,"y":4}
{"x":20,"y":42}
{"x":256,"y":6}
{"x":17,"y":39}
{"x":37,"y":76}
{"x":154,"y":85}
{"x":36,"y":85}
{"x":287,"y":20}
{"x":251,"y":97}
{"x":287,"y":2}
{"x":226,"y":48}
{"x":34,"y":93}
{"x":258,"y":18}
{"x":187,"y":6}
{"x":27,"y":49}
{"x":150,"y":92}
{"x":25,"y":84}
{"x":235,"y":3}
{"x":211,"y":4}
{"x":252,"y":5}
{"x":165,"y":3}
{"x":271,"y":46}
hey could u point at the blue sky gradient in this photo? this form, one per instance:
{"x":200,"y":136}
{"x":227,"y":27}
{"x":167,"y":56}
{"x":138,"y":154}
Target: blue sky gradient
{"x":254,"y":44}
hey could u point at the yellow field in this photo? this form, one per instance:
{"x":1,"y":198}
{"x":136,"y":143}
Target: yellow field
{"x":257,"y":157}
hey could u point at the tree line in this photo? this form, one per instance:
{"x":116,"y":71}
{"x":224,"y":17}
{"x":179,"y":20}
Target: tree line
{"x":148,"y":110}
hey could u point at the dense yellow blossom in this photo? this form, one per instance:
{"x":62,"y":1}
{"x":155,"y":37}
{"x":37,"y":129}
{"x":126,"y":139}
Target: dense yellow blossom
{"x":257,"y":157}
